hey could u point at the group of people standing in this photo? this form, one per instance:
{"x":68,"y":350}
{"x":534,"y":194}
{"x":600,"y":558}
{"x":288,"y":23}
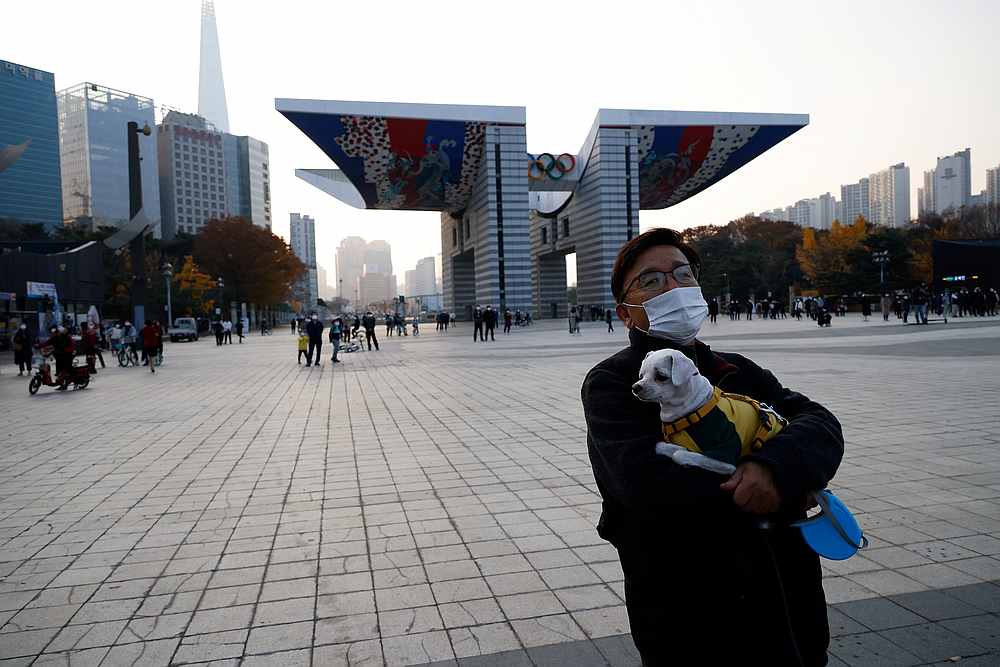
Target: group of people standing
{"x":223,"y":330}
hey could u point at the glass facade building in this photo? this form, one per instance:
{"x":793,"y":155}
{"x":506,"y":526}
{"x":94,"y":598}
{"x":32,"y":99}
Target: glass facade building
{"x":93,"y":134}
{"x":30,"y":188}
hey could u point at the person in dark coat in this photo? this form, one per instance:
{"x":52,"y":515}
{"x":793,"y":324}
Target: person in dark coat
{"x":704,"y":582}
{"x":314,"y":329}
{"x":21,"y":343}
{"x":477,"y":324}
{"x":368,"y":322}
{"x":490,"y":322}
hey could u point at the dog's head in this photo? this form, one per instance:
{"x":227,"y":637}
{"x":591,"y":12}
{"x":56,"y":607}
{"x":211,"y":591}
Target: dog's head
{"x":665,"y":377}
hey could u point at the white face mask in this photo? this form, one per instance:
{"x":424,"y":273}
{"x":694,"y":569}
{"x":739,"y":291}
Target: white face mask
{"x":676,"y":315}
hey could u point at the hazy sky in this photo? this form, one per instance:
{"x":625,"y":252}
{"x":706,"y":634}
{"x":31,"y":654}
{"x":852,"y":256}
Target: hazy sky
{"x":883,"y":81}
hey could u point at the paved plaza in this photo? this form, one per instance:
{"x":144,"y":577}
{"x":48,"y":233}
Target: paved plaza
{"x":433,"y":502}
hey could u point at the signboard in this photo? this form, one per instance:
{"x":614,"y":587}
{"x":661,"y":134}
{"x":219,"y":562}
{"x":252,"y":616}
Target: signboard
{"x":39,"y":290}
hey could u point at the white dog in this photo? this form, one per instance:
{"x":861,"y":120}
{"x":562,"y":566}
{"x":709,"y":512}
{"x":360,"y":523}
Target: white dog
{"x":698,"y":418}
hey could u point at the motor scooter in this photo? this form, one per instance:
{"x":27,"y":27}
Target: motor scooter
{"x":79,"y":376}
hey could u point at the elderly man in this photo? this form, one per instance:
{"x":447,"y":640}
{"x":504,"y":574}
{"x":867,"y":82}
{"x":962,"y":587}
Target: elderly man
{"x":705,"y":581}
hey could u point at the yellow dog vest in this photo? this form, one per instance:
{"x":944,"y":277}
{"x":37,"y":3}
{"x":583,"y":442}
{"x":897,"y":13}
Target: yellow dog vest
{"x":726,"y":428}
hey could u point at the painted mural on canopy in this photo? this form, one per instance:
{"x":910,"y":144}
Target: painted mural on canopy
{"x":401,"y":163}
{"x":676,"y":162}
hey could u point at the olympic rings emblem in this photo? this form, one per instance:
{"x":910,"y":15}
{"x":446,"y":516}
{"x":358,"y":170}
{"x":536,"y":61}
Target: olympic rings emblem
{"x":549,"y":166}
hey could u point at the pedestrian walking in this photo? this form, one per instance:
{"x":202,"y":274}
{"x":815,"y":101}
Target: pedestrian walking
{"x":21,"y":343}
{"x":239,"y":331}
{"x":388,"y":324}
{"x":866,"y":308}
{"x":303,"y":342}
{"x":416,"y":325}
{"x":713,"y":310}
{"x":314,"y":329}
{"x":336,"y":332}
{"x":227,"y":331}
{"x":150,"y":343}
{"x":219,"y":332}
{"x":91,"y":348}
{"x":368,"y":322}
{"x":508,"y":320}
{"x":609,"y":318}
{"x":477,"y":324}
{"x":490,"y":322}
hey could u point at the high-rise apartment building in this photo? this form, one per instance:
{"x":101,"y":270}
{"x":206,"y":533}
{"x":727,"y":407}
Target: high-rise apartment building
{"x":925,"y":195}
{"x":350,"y":267}
{"x":854,"y":202}
{"x":30,"y":182}
{"x":211,"y":86}
{"x":824,"y":211}
{"x":889,"y":196}
{"x":378,"y":257}
{"x":94,"y":156}
{"x":192,"y":173}
{"x":951,"y":185}
{"x":993,"y":185}
{"x":302,"y":230}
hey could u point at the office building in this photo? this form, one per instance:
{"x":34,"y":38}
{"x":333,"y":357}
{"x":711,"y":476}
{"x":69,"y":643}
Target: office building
{"x":248,"y":179}
{"x":377,"y":290}
{"x":302,"y":230}
{"x":93,"y":139}
{"x":993,"y":185}
{"x":30,"y":181}
{"x":854,"y":202}
{"x":211,"y":86}
{"x":889,"y":196}
{"x":192,"y":174}
{"x":350,"y":266}
{"x":378,"y":257}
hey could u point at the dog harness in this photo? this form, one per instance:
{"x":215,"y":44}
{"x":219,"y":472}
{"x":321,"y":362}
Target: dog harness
{"x":726,"y":428}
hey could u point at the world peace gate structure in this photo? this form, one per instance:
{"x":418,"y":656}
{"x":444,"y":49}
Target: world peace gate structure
{"x":509,"y":218}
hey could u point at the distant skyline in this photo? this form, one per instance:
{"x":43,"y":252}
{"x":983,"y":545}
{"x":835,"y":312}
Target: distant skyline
{"x":883,"y":82}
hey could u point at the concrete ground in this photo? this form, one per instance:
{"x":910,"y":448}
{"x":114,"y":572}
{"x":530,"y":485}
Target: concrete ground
{"x":433,"y":502}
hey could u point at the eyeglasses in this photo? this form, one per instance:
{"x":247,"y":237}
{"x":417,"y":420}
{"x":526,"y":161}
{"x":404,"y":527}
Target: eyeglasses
{"x":684,"y":275}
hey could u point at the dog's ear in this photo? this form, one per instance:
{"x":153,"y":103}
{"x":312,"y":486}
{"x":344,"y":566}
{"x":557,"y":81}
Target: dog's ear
{"x":681,"y":370}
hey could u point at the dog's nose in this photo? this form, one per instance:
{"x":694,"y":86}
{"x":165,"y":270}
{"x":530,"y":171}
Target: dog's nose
{"x":636,"y":388}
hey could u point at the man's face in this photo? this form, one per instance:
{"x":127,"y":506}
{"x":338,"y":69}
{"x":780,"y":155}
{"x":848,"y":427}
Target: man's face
{"x":657,"y":258}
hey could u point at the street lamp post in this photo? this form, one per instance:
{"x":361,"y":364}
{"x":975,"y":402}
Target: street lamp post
{"x":168,"y":273}
{"x":221,"y":284}
{"x":881,"y":257}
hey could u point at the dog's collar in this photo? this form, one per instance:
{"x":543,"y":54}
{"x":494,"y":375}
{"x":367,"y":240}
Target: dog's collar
{"x":690,"y":420}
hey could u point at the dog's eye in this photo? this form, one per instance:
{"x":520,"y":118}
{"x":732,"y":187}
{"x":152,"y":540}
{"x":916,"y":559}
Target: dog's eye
{"x":661,"y":377}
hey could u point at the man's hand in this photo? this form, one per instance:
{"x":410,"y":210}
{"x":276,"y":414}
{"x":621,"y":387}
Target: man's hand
{"x":752,"y":486}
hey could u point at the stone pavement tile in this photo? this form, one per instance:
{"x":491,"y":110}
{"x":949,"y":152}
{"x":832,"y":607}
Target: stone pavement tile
{"x":110,"y":610}
{"x":84,"y":575}
{"x":141,"y":653}
{"x":296,"y":658}
{"x":404,"y":597}
{"x":842,"y":624}
{"x":155,"y":605}
{"x":462,"y":569}
{"x":220,"y":620}
{"x":409,"y":621}
{"x":417,"y":649}
{"x":342,"y":629}
{"x":37,"y":618}
{"x":986,"y":568}
{"x":543,"y":630}
{"x":984,"y":596}
{"x":297,"y":570}
{"x":879,"y":613}
{"x":931,"y":642}
{"x":587,"y":597}
{"x":938,"y":575}
{"x":603,"y":622}
{"x":941,"y":550}
{"x":565,"y":577}
{"x":74,"y":637}
{"x":460,"y":589}
{"x":345,"y":583}
{"x":284,"y":637}
{"x":518,"y":582}
{"x":403,"y":576}
{"x":80,"y":658}
{"x":155,"y":627}
{"x":484,"y":640}
{"x":28,"y":642}
{"x":236,"y":577}
{"x":16,"y":600}
{"x":894,"y":557}
{"x":503,"y":564}
{"x":345,"y":604}
{"x":935,"y":605}
{"x":527,"y":605}
{"x":284,"y":611}
{"x":887,"y":582}
{"x":619,"y":650}
{"x":231,"y":596}
{"x":470,"y":612}
{"x":211,"y":646}
{"x":871,"y":649}
{"x":356,"y":654}
{"x":983,"y":630}
{"x":579,"y":654}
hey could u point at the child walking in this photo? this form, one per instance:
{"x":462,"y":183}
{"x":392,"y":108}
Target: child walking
{"x":303,"y":346}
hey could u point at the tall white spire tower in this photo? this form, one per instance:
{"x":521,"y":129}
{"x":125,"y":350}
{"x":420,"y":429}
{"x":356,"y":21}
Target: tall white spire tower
{"x":211,"y":87}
